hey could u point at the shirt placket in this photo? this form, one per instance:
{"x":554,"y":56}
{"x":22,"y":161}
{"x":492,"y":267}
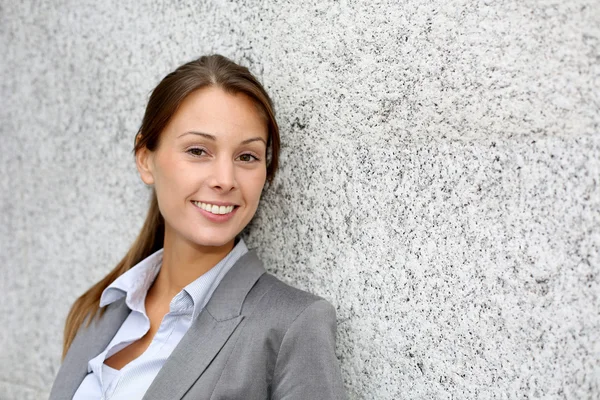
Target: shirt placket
{"x":181,"y":307}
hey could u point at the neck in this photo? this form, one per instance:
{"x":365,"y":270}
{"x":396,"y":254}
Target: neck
{"x":184,"y":262}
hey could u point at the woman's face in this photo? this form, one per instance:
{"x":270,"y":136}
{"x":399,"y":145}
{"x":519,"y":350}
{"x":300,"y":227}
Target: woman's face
{"x":209,"y":168}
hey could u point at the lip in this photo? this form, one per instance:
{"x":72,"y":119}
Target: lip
{"x":216,"y":203}
{"x":218,"y":218}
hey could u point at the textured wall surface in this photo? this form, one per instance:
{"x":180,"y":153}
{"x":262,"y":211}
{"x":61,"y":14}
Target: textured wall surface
{"x":440,"y":179}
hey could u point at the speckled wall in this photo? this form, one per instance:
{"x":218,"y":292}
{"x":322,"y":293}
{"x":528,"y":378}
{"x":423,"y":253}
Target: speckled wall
{"x":440,"y":179}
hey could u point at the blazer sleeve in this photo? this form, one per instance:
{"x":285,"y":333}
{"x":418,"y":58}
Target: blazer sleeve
{"x":306,"y":366}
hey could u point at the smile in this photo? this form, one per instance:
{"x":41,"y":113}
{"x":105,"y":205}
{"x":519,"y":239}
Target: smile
{"x":214,"y":209}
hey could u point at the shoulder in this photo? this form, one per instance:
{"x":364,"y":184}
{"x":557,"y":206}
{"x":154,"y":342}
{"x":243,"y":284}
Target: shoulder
{"x":279,"y":305}
{"x":299,"y":331}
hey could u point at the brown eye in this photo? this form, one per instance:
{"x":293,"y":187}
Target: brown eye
{"x":247,"y":158}
{"x":196,"y":152}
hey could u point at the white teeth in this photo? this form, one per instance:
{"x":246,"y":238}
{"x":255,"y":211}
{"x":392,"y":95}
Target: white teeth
{"x":214,"y":209}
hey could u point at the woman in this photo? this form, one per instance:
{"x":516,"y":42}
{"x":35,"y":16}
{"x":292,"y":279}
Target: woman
{"x":189,"y":312}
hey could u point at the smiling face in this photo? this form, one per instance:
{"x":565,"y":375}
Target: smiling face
{"x":209,"y":168}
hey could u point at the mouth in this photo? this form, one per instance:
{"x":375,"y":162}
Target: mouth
{"x":214,"y":208}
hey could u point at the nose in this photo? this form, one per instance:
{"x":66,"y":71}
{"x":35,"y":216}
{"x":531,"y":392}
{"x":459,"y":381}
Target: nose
{"x":223,"y":175}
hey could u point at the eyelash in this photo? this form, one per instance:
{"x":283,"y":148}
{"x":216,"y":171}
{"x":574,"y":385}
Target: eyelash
{"x":254,"y":158}
{"x":190,"y":151}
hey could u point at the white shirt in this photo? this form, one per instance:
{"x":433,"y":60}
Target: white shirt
{"x":132,"y":381}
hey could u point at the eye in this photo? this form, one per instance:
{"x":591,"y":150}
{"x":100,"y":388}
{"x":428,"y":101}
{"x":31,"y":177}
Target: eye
{"x":248,"y":158}
{"x":195,"y":151}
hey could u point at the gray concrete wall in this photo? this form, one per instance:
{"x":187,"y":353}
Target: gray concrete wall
{"x":440,"y":179}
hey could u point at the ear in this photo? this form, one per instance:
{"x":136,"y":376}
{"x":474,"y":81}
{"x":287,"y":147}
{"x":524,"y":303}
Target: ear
{"x":144,"y":161}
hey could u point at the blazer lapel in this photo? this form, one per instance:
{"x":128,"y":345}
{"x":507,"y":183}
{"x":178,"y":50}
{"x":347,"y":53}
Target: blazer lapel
{"x":208,"y":333}
{"x":88,"y":343}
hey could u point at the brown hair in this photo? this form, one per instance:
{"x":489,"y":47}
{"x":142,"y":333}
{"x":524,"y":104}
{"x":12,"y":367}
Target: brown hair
{"x":213,"y":70}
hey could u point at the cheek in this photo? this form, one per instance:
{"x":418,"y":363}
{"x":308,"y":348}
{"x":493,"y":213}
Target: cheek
{"x":254,"y":186}
{"x":170,"y":180}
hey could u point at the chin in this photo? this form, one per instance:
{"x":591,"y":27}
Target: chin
{"x":214,"y":240}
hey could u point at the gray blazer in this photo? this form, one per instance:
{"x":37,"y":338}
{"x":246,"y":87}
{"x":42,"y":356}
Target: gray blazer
{"x":257,"y":338}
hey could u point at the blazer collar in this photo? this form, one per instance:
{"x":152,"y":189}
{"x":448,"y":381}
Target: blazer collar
{"x":208,"y":333}
{"x":227,"y":300}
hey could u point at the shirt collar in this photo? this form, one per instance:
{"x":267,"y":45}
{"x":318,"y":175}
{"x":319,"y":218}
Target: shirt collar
{"x":134,"y":283}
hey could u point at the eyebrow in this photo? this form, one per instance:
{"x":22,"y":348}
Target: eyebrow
{"x":214,"y":139}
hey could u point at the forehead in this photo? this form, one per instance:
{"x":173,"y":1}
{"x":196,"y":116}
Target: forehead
{"x":225,"y":115}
